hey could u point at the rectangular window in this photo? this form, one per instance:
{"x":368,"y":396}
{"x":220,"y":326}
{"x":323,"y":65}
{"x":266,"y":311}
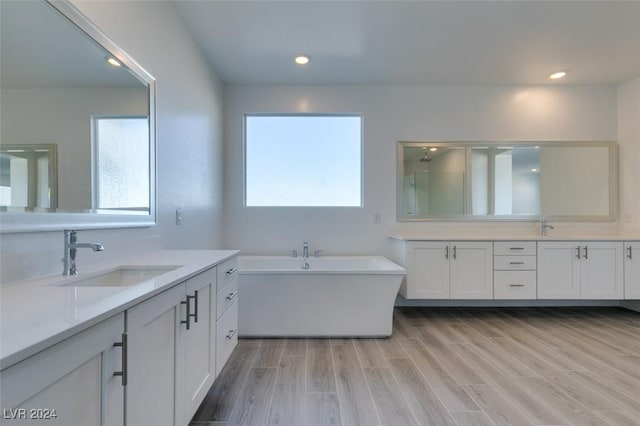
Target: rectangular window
{"x":120,"y":179}
{"x":305,"y":160}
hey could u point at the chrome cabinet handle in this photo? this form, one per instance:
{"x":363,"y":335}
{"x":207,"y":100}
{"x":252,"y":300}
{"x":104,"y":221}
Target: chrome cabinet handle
{"x":455,"y":252}
{"x":125,"y":370}
{"x":232,"y":270}
{"x":446,"y":252}
{"x":516,"y":248}
{"x":630,"y":255}
{"x":516,"y":285}
{"x":586,"y":252}
{"x":516,"y":263}
{"x":578,"y":255}
{"x":231,"y":334}
{"x":230,"y":296}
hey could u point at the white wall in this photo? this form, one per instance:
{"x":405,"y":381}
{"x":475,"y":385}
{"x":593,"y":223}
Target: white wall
{"x":189,"y":137}
{"x":629,"y":142}
{"x":392,"y":114}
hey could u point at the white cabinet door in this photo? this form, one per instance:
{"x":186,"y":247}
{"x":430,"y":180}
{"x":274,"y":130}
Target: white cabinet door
{"x":602,"y":271}
{"x":156,"y":335}
{"x":471,"y":270}
{"x":427,"y":270}
{"x":559,"y":269}
{"x":71,"y":383}
{"x":200,"y":347}
{"x":632,"y":270}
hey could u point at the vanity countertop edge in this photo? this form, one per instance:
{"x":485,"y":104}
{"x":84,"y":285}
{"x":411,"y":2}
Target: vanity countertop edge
{"x":35,"y":315}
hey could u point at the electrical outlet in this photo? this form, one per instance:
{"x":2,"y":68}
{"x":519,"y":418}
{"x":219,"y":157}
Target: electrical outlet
{"x":626,"y":218}
{"x":178,"y":216}
{"x":376,"y":218}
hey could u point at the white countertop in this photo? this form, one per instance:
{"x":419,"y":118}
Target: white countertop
{"x":515,"y":237}
{"x":35,"y":314}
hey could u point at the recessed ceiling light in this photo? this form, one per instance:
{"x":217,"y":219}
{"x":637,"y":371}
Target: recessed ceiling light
{"x":534,"y":170}
{"x":557,"y":75}
{"x":433,"y":149}
{"x":302,"y":59}
{"x":423,"y":147}
{"x":113,"y":61}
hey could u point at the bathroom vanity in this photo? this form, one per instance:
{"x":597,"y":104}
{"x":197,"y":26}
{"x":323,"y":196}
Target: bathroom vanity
{"x":519,"y":268}
{"x":72,"y":345}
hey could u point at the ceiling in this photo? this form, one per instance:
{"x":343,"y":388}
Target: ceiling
{"x":40,"y":48}
{"x":417,"y":42}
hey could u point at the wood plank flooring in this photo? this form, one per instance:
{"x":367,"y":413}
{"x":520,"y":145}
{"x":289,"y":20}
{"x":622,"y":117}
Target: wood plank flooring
{"x":442,"y":366}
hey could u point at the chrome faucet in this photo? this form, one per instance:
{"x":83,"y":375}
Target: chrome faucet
{"x":305,"y":250}
{"x":71,"y":244}
{"x":544,"y":227}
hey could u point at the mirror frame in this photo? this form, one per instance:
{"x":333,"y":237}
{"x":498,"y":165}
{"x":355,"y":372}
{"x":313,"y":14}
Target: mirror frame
{"x":613,"y":181}
{"x":35,"y":222}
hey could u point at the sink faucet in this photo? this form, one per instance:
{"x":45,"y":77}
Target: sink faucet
{"x":544,"y":227}
{"x":70,"y":245}
{"x":305,"y":250}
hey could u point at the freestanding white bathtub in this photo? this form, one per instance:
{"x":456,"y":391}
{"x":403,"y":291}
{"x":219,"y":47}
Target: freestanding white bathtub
{"x":335,"y":297}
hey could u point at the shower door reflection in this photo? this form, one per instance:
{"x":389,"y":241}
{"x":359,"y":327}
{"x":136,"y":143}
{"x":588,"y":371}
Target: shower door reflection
{"x":28,"y":177}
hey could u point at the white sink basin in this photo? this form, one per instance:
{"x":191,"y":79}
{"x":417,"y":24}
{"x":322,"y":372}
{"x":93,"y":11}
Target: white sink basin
{"x":122,"y":276}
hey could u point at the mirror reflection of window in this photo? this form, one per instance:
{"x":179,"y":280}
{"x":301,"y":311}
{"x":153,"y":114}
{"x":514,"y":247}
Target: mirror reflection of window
{"x":121,"y":181}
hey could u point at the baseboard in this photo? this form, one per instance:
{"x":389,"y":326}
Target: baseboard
{"x":633,"y":305}
{"x":400,"y":301}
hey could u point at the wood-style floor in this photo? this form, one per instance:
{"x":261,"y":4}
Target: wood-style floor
{"x":442,"y":366}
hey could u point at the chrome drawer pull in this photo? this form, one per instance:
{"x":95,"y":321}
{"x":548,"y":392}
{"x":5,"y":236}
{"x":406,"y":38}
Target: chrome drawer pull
{"x":516,"y":263}
{"x":630,"y":255}
{"x":516,"y":248}
{"x":231,"y":271}
{"x":516,"y":285}
{"x":231,"y":296}
{"x":231,"y":334}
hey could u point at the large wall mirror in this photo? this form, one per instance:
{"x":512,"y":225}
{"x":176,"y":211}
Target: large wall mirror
{"x":570,"y":181}
{"x":77,"y":141}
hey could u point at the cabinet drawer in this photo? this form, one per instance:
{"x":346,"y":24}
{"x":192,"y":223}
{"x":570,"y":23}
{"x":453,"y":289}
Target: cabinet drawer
{"x":226,"y":336}
{"x":514,"y":263}
{"x":227,"y":271}
{"x":227,"y":297}
{"x":516,"y":285}
{"x":514,"y":248}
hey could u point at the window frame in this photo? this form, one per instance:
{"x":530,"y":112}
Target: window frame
{"x":246,"y":116}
